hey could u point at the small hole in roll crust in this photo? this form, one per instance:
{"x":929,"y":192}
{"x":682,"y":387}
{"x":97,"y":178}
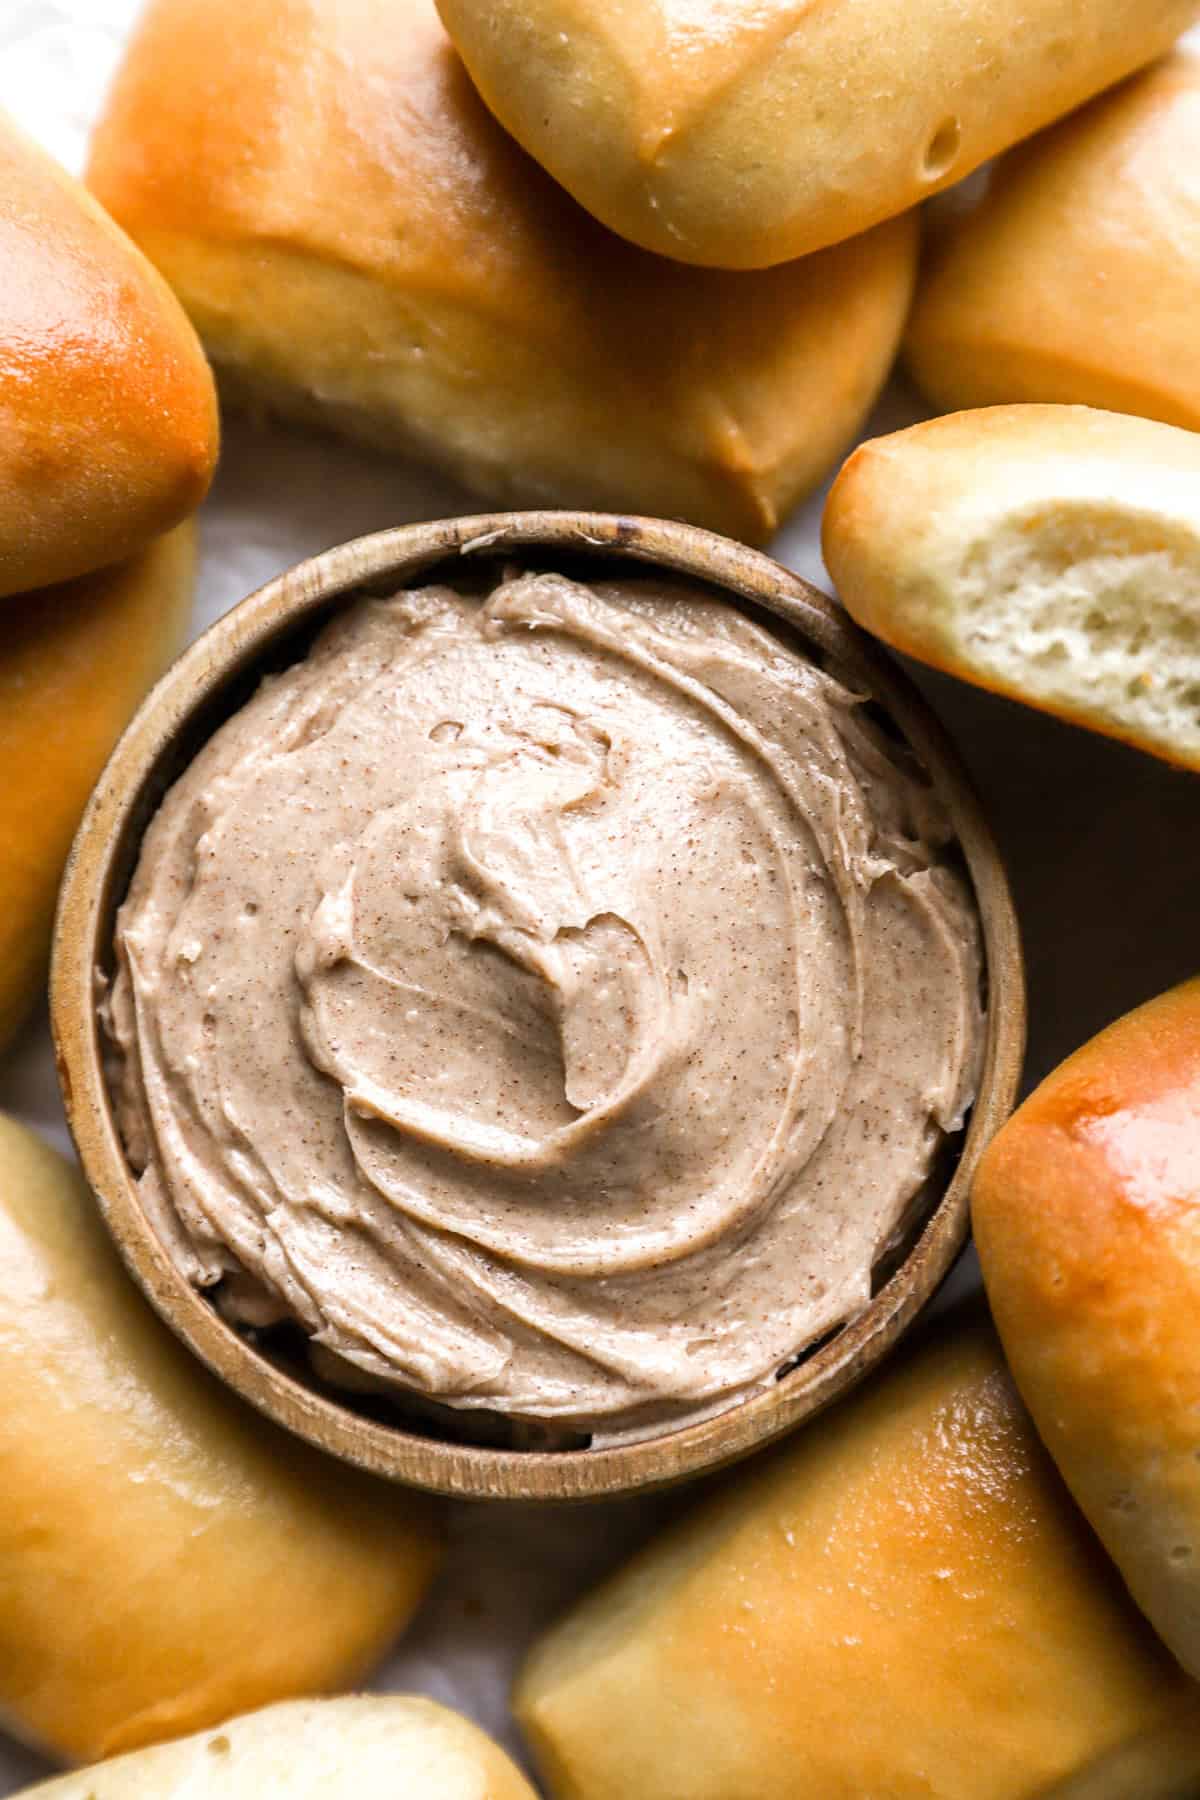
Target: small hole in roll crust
{"x":941,"y":150}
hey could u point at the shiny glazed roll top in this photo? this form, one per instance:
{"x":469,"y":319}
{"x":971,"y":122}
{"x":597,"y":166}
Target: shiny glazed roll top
{"x":553,"y":1001}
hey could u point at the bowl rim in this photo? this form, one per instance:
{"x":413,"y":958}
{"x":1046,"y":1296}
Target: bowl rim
{"x":243,"y":637}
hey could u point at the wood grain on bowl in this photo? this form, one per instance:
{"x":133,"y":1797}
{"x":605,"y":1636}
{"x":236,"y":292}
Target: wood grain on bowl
{"x":269,"y":630}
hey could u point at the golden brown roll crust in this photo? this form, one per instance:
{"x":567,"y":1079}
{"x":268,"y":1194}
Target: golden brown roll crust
{"x":108,"y":419}
{"x":743,"y":135}
{"x":366,"y":1747}
{"x":1050,"y":553}
{"x":1087,"y":1217}
{"x":401,"y":271}
{"x":167,"y":1559}
{"x":902,"y":1603}
{"x":75,"y":661}
{"x":1077,"y":275}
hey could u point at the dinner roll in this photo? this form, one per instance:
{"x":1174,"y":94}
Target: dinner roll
{"x":369,"y":1747}
{"x":1087,"y":1218}
{"x":902,"y":1603}
{"x":742,"y":135}
{"x":1050,"y":553}
{"x":108,"y":418}
{"x":167,"y":1558}
{"x":1162,"y":1765}
{"x":1077,"y":276}
{"x":360,"y":243}
{"x":75,"y":660}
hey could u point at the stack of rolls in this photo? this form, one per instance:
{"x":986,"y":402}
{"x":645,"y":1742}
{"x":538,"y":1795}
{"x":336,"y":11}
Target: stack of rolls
{"x":743,"y":136}
{"x":108,"y":443}
{"x":901,"y":1603}
{"x":620,"y":257}
{"x":403,"y":272}
{"x":687,"y":308}
{"x":907,"y":1601}
{"x":165,"y":1560}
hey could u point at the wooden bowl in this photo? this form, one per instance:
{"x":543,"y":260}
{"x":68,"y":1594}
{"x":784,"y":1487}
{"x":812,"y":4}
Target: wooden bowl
{"x":213,"y":678}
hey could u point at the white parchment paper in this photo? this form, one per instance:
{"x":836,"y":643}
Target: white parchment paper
{"x":1103,"y":847}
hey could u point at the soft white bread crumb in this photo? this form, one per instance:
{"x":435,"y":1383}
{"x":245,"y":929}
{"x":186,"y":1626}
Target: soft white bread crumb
{"x":1051,"y":553}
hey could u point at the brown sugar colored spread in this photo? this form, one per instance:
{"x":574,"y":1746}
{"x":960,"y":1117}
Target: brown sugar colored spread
{"x":552,"y":1002}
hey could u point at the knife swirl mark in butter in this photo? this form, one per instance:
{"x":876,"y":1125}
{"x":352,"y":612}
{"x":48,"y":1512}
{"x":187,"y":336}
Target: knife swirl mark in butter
{"x":553,"y":1002}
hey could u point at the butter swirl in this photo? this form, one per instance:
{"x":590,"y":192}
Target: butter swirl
{"x":552,"y":1002}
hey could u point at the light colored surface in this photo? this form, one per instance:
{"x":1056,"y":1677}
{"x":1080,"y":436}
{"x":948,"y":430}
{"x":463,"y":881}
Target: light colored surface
{"x":1102,"y":846}
{"x":367,"y":1747}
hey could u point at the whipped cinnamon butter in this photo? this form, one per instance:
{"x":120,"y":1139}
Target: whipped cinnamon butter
{"x":552,"y":1002}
